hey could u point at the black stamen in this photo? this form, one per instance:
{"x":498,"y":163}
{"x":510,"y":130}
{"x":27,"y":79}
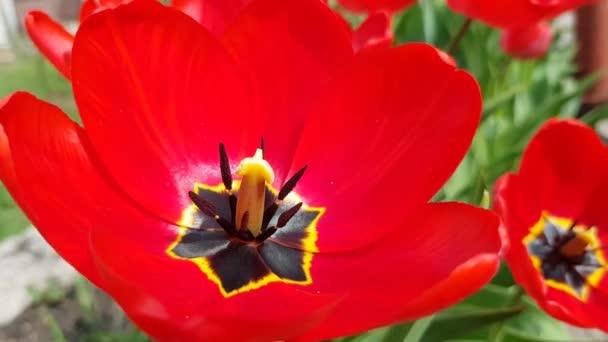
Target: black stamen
{"x":209,"y":209}
{"x":290,"y":184}
{"x":246,"y":235}
{"x":288,"y":215}
{"x":266,"y":234}
{"x":225,"y":168}
{"x":262,"y":147}
{"x":232,"y":201}
{"x":205,"y":206}
{"x":269,"y":213}
{"x":574,"y":223}
{"x":228,"y":227}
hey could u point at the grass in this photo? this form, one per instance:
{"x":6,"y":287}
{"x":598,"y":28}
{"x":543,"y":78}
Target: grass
{"x":35,"y":75}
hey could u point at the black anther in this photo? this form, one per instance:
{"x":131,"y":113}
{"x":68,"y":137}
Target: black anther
{"x":287,"y":215}
{"x":266,"y":234}
{"x":290,"y":184}
{"x":269,"y":213}
{"x":205,"y":206}
{"x":225,"y":168}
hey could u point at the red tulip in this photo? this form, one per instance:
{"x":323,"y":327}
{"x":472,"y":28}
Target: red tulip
{"x":374,"y":32}
{"x":55,"y":43}
{"x":193,"y":247}
{"x":527,"y":42}
{"x":370,"y":6}
{"x":507,"y":14}
{"x":556,"y":218}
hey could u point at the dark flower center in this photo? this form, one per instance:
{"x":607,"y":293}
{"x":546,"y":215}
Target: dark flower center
{"x":238,"y":226}
{"x":568,"y":255}
{"x":246,"y":234}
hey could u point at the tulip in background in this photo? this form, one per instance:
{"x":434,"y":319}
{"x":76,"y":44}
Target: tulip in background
{"x":508,"y":14}
{"x":370,"y":6}
{"x":554,"y":212}
{"x":167,"y":200}
{"x":528,"y":42}
{"x":525,"y":32}
{"x":55,"y":43}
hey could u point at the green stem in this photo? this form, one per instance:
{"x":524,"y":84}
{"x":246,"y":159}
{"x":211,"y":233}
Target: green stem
{"x":418,"y":330}
{"x":455,"y":42}
{"x":514,"y":299}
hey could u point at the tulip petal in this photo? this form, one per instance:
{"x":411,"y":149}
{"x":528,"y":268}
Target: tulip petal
{"x":375,"y":31}
{"x":172,"y":299}
{"x":405,"y":275}
{"x":52,"y":177}
{"x":291,"y":61}
{"x":565,"y":162}
{"x":91,"y":6}
{"x":53,"y":41}
{"x":7,"y":168}
{"x":214,"y":15}
{"x":371,"y":6}
{"x":389,"y":134}
{"x":509,"y":14}
{"x":527,"y":42}
{"x":157,"y":95}
{"x":509,"y":204}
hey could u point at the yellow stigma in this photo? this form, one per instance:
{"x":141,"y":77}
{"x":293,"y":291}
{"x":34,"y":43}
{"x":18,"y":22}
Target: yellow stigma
{"x":255,"y":173}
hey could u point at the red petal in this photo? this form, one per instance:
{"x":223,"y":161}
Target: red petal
{"x":374,"y":32}
{"x":53,"y":41}
{"x":172,"y":299}
{"x":157,"y":94}
{"x":7,"y":168}
{"x":527,"y":42}
{"x":292,"y":49}
{"x":405,"y":275}
{"x":513,"y":13}
{"x":91,"y":6}
{"x":561,"y":167}
{"x":390,"y":133}
{"x":371,"y":6}
{"x":214,"y":15}
{"x":52,"y":177}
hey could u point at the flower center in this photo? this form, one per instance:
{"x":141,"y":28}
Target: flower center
{"x":569,"y":255}
{"x":250,"y":215}
{"x":244,"y":234}
{"x":256,"y":173}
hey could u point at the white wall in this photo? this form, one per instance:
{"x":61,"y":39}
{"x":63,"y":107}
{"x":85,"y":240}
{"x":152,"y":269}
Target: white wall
{"x":8,"y":21}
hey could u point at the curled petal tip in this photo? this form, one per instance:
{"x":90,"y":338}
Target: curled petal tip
{"x":53,"y":41}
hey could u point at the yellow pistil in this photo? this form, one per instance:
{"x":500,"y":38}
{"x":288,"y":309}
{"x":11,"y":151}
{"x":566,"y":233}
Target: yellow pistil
{"x":255,"y":173}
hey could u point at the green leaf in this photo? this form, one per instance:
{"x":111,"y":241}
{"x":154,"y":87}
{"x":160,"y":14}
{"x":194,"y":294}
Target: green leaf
{"x":596,"y":114}
{"x":429,"y":21}
{"x":417,"y":331}
{"x":450,"y":325}
{"x":503,"y":277}
{"x":409,"y":26}
{"x":392,"y":333}
{"x":490,"y":296}
{"x":52,"y":324}
{"x":536,"y":323}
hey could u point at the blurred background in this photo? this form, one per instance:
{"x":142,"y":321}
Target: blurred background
{"x":43,"y":299}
